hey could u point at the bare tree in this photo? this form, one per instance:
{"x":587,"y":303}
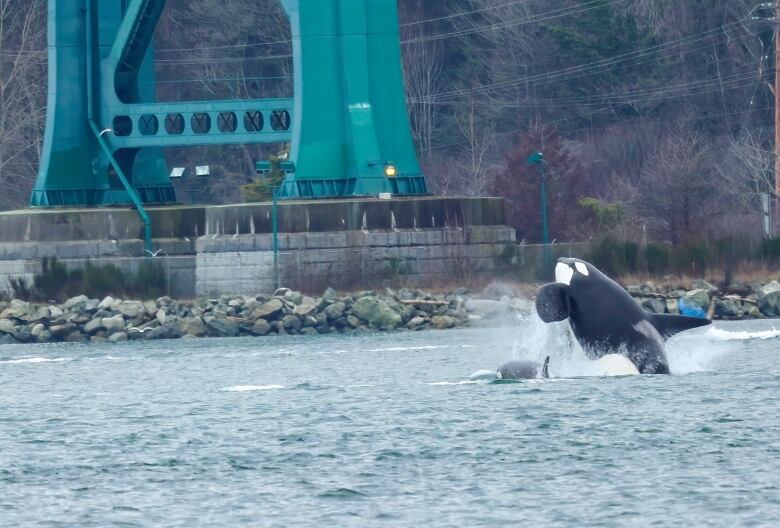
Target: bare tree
{"x":675,"y":191}
{"x":22,"y":97}
{"x":748,"y":168}
{"x":479,"y":173}
{"x":423,"y":66}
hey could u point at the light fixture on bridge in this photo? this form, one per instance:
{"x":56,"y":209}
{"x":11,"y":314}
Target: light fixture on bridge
{"x":390,"y":170}
{"x":178,"y":172}
{"x":202,"y":170}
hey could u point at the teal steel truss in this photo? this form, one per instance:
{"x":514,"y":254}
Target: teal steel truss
{"x":347,"y":123}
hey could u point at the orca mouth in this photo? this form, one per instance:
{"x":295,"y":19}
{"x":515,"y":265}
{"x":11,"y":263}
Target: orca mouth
{"x":563,"y":274}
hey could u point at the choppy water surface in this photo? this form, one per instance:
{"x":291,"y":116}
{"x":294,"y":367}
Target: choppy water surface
{"x":388,"y":430}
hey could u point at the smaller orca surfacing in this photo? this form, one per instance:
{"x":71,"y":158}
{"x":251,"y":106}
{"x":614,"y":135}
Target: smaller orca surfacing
{"x":606,"y":320}
{"x":522,"y":369}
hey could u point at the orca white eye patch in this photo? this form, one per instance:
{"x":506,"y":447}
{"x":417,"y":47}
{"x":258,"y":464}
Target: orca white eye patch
{"x":582,"y":268}
{"x":563,"y":274}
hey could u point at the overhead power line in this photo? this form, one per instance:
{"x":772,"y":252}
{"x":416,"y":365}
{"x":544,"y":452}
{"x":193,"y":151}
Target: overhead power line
{"x":542,"y":17}
{"x":567,"y":73}
{"x":466,"y":13}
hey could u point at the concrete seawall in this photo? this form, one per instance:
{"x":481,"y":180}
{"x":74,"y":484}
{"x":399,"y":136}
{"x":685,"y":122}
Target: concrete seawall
{"x":229,"y":249}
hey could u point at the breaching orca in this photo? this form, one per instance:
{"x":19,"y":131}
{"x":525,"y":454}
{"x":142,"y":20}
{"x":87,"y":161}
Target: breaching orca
{"x":605,"y":319}
{"x":521,"y":369}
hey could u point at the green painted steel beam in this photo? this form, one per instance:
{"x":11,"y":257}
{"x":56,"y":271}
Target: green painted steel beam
{"x":350,"y":109}
{"x":347,"y":121}
{"x":183,"y":124}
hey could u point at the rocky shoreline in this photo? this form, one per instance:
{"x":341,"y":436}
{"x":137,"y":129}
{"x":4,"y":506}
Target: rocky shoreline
{"x":755,"y":300}
{"x":288,"y":312}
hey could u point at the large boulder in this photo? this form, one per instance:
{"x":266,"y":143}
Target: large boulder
{"x":93,"y":326}
{"x":17,"y":310}
{"x":443,"y":322}
{"x":7,"y":327}
{"x":377,"y":313}
{"x":727,"y":308}
{"x":335,"y":311}
{"x":106,"y":303}
{"x":293,"y":297}
{"x":131,"y":309}
{"x":91,"y":305}
{"x":268,"y":311}
{"x":416,"y":322}
{"x":118,"y":337}
{"x":61,"y":331}
{"x":221,"y":327}
{"x":74,"y":302}
{"x":113,"y":324}
{"x":330,"y":294}
{"x":292,"y":323}
{"x":260,"y":328}
{"x":307,"y":306}
{"x":150,"y":307}
{"x":193,"y":326}
{"x":37,"y":330}
{"x":656,"y":306}
{"x":166,"y":331}
{"x":769,"y":299}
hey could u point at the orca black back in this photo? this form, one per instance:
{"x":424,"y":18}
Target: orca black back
{"x":605,"y":319}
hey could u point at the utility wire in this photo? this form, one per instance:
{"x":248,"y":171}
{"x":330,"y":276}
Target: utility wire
{"x":466,"y":13}
{"x":569,"y":71}
{"x":741,"y":76}
{"x":542,"y":17}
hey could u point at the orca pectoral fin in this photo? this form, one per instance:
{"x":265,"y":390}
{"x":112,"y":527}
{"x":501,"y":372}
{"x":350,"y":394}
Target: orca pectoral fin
{"x":552,"y":303}
{"x":669,"y":325}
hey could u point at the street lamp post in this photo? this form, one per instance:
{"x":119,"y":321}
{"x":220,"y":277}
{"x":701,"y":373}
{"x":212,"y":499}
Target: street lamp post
{"x":275,"y":228}
{"x":538,"y":159}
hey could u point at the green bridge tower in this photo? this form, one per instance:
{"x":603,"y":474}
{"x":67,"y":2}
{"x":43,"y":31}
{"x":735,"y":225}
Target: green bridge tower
{"x":347,"y":122}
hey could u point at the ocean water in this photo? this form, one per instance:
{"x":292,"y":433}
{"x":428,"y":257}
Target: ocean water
{"x":389,"y":430}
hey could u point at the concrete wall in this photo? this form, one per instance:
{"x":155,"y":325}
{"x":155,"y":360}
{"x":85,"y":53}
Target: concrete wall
{"x":225,"y":250}
{"x":191,"y":222}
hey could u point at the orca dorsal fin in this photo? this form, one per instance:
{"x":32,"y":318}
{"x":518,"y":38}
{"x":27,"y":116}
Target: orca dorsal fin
{"x":669,"y":325}
{"x":552,"y":303}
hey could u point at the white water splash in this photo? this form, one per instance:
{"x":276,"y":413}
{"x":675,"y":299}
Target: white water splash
{"x":718,"y":334}
{"x":251,"y":388}
{"x":416,"y":348}
{"x":462,"y":382}
{"x":539,"y":340}
{"x":33,"y":360}
{"x":695,"y":351}
{"x":698,"y":350}
{"x":482,"y":375}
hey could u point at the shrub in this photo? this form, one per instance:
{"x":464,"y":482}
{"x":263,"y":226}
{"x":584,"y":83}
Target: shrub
{"x":56,"y":282}
{"x":770,"y":250}
{"x":615,"y":257}
{"x":657,"y":259}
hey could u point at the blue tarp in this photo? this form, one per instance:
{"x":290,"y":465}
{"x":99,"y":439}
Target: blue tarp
{"x":690,"y":309}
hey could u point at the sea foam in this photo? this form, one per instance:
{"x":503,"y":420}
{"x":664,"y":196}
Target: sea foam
{"x":32,"y":360}
{"x":718,"y":334}
{"x":251,"y":388}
